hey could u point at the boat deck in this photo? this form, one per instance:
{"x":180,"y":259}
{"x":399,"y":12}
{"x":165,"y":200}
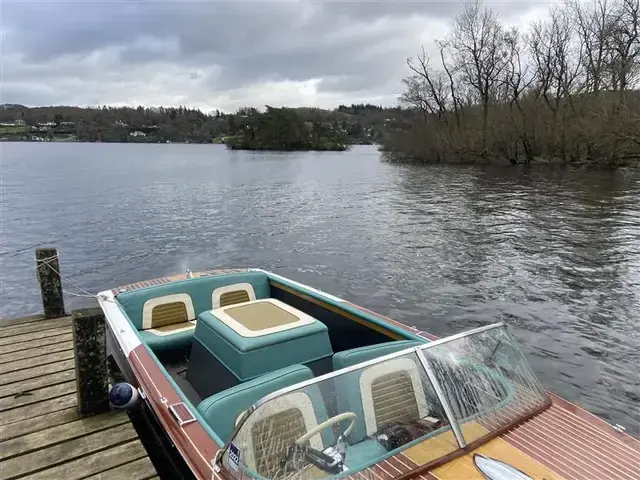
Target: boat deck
{"x":41,"y":434}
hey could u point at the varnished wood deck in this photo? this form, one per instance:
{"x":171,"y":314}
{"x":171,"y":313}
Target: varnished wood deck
{"x":41,"y":435}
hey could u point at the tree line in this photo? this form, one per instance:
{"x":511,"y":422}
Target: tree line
{"x":564,"y":90}
{"x":345,"y":125}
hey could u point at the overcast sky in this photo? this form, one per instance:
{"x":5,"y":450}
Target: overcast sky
{"x":213,"y":54}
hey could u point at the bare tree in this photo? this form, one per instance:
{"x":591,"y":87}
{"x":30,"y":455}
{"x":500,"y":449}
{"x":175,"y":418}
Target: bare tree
{"x":558,"y":65}
{"x":624,"y":45}
{"x":517,"y":79}
{"x":432,"y":84}
{"x":593,"y":24}
{"x":518,"y":75}
{"x":478,"y":42}
{"x":453,"y":91}
{"x":413,"y":96}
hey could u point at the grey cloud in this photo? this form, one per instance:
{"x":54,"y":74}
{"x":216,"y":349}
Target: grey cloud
{"x":354,"y":49}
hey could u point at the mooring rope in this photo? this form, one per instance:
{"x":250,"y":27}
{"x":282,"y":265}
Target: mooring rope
{"x":47,"y":261}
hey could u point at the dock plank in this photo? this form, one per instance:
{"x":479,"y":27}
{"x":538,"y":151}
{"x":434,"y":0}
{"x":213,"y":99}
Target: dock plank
{"x":11,"y":322}
{"x":61,"y":433}
{"x":93,"y":464}
{"x":37,"y":409}
{"x":15,"y":374}
{"x":30,"y":384}
{"x":40,"y":422}
{"x":35,"y":327}
{"x":36,"y":343}
{"x":28,"y":337}
{"x":42,"y":435}
{"x":141,"y":469}
{"x":36,"y":354}
{"x":36,"y":396}
{"x":64,"y":452}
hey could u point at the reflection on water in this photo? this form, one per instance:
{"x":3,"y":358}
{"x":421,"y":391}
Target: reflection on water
{"x":555,"y":254}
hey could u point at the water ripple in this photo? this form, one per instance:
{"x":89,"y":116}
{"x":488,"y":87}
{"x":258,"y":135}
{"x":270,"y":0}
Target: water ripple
{"x":556,"y":254}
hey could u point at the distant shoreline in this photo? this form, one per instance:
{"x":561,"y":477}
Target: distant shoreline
{"x":13,"y":140}
{"x":272,"y":128}
{"x":327,"y":146}
{"x":345,"y":149}
{"x":342,"y":148}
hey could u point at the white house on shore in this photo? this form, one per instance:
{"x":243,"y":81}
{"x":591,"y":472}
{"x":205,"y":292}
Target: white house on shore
{"x":15,"y":123}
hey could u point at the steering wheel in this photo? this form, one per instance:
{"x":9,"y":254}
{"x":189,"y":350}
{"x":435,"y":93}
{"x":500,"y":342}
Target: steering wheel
{"x":329,"y":423}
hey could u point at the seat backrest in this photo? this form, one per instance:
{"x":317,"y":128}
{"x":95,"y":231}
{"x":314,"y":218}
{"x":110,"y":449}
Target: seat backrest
{"x":274,"y":425}
{"x":192,"y":296}
{"x":223,"y":409}
{"x":347,"y":358}
{"x":167,"y":310}
{"x":382,"y":393}
{"x":232,"y":294}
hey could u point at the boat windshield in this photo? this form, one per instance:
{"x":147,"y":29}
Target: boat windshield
{"x":425,"y":403}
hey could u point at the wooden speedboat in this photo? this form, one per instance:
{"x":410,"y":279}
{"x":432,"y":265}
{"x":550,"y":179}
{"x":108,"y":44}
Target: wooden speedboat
{"x":246,"y":374}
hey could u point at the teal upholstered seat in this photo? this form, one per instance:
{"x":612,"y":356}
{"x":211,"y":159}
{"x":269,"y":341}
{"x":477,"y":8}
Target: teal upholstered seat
{"x":199,"y":289}
{"x":195,"y":294}
{"x":248,"y":357}
{"x":165,"y":343}
{"x":221,"y":410}
{"x":354,"y":356}
{"x":350,"y":390}
{"x":275,"y":424}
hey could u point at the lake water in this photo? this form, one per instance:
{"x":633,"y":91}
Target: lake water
{"x":555,"y":254}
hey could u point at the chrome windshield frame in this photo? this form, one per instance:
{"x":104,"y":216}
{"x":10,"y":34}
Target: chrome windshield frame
{"x":417,"y":350}
{"x":457,"y":336}
{"x":444,"y":401}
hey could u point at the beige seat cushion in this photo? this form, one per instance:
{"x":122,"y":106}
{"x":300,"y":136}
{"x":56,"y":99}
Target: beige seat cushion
{"x":261,"y":317}
{"x":173,"y":328}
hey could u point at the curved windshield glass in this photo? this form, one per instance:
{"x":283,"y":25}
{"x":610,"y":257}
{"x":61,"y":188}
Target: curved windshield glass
{"x":426,"y":403}
{"x":485,"y":380}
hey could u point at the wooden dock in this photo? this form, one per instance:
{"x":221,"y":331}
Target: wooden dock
{"x":42,"y":436}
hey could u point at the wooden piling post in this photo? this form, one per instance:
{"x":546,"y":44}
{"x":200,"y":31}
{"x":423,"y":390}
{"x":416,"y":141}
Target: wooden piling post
{"x":90,"y":345}
{"x":47,"y":267}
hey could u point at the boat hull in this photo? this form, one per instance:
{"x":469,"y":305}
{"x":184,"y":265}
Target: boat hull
{"x":166,"y":458}
{"x":562,"y":442}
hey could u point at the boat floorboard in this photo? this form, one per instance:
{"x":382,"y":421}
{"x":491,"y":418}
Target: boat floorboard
{"x":41,"y":434}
